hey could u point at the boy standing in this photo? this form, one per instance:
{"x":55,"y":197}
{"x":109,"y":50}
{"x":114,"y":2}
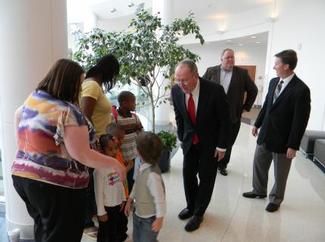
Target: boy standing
{"x":148,"y":191}
{"x":131,"y":124}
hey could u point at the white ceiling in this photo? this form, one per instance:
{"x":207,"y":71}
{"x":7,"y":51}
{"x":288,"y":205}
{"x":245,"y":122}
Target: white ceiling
{"x":203,"y":9}
{"x":215,"y":9}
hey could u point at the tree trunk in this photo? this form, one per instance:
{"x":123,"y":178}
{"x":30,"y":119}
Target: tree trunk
{"x":153,"y":115}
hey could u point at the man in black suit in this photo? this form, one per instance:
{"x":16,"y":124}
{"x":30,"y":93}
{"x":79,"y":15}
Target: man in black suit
{"x":202,"y":118}
{"x":282,"y":122}
{"x":236,"y":82}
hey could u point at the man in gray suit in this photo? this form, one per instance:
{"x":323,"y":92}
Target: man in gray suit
{"x":236,"y":82}
{"x":282,"y":122}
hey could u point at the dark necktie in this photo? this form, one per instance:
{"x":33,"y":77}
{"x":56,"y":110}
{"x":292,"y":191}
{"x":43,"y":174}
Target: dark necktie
{"x":277,"y":90}
{"x":191,"y":112}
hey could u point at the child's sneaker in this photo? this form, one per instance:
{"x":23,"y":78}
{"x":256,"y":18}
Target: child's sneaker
{"x":91,"y":233}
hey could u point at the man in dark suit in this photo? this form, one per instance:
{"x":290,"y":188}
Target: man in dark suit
{"x":236,"y":82}
{"x":202,"y":118}
{"x":282,"y":122}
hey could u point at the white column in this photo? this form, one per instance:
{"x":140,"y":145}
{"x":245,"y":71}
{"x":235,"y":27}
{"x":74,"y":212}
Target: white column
{"x":164,"y":8}
{"x":33,"y":35}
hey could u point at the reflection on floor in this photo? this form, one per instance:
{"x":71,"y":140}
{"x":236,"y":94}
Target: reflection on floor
{"x":232,"y":218}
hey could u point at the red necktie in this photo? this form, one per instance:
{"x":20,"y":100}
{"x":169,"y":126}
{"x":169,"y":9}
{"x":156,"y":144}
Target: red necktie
{"x":191,"y":112}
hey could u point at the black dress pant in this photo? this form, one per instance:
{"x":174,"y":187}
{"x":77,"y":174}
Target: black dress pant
{"x":234,"y":130}
{"x":58,"y":212}
{"x":198,"y":192}
{"x":115,"y":228}
{"x":91,"y":208}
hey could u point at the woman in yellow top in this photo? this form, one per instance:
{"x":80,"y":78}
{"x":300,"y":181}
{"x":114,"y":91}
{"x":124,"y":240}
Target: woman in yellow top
{"x":97,"y":108}
{"x":94,"y":104}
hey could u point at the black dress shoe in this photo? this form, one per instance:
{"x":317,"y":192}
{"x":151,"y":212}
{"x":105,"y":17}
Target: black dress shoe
{"x":223,"y":171}
{"x":272,"y":207}
{"x":185,"y":214}
{"x":193,"y":223}
{"x":253,"y":195}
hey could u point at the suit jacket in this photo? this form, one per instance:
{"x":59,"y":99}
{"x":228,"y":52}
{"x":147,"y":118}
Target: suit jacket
{"x":239,"y":84}
{"x":212,"y":117}
{"x":283,"y":122}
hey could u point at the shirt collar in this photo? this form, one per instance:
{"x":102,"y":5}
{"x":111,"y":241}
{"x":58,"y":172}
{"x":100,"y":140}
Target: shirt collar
{"x":144,"y":166}
{"x":226,"y":71}
{"x":196,"y":90}
{"x":287,"y":79}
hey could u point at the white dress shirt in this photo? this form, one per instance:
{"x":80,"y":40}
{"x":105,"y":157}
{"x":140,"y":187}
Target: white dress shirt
{"x":225,"y":78}
{"x":286,"y":82}
{"x":195,"y":94}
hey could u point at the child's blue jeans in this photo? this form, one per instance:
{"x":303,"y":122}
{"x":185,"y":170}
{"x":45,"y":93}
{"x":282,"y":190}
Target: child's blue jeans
{"x":142,"y":229}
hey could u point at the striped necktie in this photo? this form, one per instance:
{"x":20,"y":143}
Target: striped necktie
{"x":277,"y":90}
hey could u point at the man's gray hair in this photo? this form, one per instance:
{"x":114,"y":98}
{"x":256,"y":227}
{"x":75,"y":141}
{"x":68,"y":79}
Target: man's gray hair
{"x":190,"y":64}
{"x":225,"y":50}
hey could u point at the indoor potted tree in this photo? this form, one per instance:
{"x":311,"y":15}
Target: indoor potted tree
{"x":169,"y":143}
{"x":146,"y":50}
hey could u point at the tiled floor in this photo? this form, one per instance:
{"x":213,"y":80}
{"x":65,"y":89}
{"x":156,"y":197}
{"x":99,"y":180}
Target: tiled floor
{"x":232,"y":218}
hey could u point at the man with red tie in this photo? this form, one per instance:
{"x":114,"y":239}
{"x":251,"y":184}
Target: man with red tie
{"x":202,"y":118}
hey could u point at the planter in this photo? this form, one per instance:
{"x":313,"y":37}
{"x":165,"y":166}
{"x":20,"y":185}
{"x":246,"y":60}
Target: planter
{"x":164,"y":161}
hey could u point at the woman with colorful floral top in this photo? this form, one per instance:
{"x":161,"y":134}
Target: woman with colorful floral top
{"x":50,"y":171}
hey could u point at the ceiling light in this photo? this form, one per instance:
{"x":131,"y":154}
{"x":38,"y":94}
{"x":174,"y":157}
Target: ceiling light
{"x":228,"y":40}
{"x":253,"y":37}
{"x":130,"y":5}
{"x":257,"y":42}
{"x":113,"y":10}
{"x":240,"y":44}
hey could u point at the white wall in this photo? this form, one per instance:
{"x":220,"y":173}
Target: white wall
{"x":252,"y":54}
{"x":116,"y":24}
{"x":300,"y":26}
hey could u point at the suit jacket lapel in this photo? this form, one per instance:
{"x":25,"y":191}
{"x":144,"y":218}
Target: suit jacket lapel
{"x":183,"y":104}
{"x":218,"y":74}
{"x":201,"y":101}
{"x":285,"y":92}
{"x":233,"y":80}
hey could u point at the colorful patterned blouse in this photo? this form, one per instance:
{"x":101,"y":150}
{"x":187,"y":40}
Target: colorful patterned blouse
{"x":41,"y":151}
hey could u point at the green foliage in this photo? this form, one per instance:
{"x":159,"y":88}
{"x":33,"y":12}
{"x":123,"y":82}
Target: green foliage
{"x":168,"y":139}
{"x":145,"y":50}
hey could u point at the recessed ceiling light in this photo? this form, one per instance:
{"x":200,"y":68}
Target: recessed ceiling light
{"x":228,"y":40}
{"x":257,"y":42}
{"x":240,"y":44}
{"x":253,"y":37}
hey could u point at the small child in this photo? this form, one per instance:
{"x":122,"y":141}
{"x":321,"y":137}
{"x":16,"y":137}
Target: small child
{"x":118,"y":135}
{"x":148,"y":191}
{"x":110,"y":197}
{"x":131,"y":124}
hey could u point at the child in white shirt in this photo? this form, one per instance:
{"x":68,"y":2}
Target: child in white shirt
{"x":110,"y":198}
{"x":148,"y":191}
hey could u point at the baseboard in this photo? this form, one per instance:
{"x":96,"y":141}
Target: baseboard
{"x":319,"y":164}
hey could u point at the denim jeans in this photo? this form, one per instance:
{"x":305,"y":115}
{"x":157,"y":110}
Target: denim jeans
{"x":142,"y":229}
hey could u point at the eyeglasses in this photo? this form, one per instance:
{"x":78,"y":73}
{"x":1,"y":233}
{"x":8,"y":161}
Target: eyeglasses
{"x":182,"y":81}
